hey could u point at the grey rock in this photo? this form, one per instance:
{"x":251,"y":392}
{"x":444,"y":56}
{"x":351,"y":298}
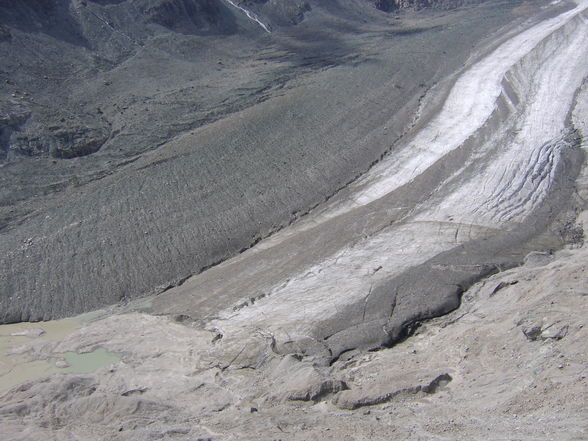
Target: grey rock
{"x":4,"y":34}
{"x":554,"y":331}
{"x":503,"y":285}
{"x":545,"y":330}
{"x":393,"y":5}
{"x":317,"y":391}
{"x":538,"y":258}
{"x":532,"y":332}
{"x":381,"y":393}
{"x":305,"y":383}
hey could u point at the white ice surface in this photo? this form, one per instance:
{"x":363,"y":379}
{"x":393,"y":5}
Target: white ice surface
{"x":468,"y":106}
{"x":322,"y":290}
{"x":512,"y":182}
{"x":518,"y":178}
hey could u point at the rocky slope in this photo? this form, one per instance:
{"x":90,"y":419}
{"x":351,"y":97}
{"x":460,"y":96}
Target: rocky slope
{"x":146,"y":141}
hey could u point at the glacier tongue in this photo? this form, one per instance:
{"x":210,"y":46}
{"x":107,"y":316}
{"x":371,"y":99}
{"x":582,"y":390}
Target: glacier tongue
{"x":475,"y":97}
{"x":506,"y":118}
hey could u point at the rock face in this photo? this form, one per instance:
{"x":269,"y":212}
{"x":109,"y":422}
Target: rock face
{"x":188,"y":15}
{"x":62,"y":136}
{"x":86,"y":35}
{"x":102,"y":27}
{"x":379,"y":393}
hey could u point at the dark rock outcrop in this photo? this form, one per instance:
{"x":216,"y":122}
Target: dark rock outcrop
{"x":189,"y":15}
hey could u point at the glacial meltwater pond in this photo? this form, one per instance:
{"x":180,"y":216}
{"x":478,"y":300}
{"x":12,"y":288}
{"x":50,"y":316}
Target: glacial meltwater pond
{"x":89,"y":362}
{"x":19,"y":364}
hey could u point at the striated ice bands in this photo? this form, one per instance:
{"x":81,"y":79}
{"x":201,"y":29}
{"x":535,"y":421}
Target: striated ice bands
{"x":469,"y":105}
{"x":523,"y":91}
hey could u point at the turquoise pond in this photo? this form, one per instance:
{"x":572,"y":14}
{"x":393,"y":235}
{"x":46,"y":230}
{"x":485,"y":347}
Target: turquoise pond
{"x":90,"y":361}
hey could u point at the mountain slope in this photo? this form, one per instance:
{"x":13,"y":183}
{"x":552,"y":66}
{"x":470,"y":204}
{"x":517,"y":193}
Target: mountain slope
{"x":147,"y":141}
